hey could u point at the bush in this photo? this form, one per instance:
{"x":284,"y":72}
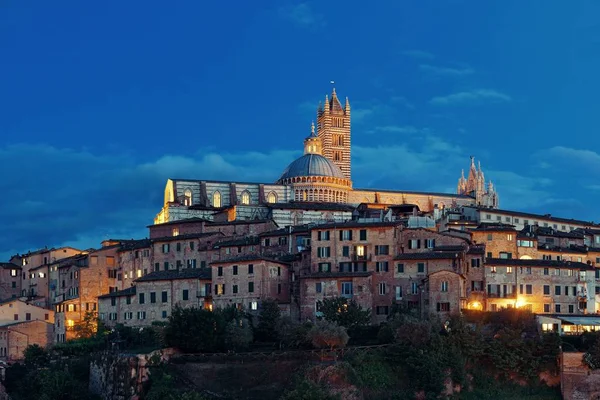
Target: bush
{"x":269,"y":316}
{"x":293,"y":335}
{"x":326,"y":334}
{"x":344,"y":313}
{"x":306,"y":390}
{"x":238,"y":335}
{"x":193,"y":329}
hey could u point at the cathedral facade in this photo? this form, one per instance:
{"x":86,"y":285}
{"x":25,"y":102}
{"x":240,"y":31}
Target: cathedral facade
{"x":317,"y":187}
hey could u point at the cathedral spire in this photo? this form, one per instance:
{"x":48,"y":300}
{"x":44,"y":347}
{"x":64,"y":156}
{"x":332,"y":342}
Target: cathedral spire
{"x":347,"y":106}
{"x":313,"y":143}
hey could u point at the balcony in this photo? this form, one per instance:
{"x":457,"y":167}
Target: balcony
{"x":364,"y":257}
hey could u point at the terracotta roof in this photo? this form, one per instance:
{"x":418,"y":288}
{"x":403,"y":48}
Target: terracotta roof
{"x":299,"y":205}
{"x":285,"y":231}
{"x":355,"y":224}
{"x":185,"y":237}
{"x":449,"y":248}
{"x":336,"y":275}
{"x":130,"y":291}
{"x":173,"y":274}
{"x":248,"y":257}
{"x":537,"y":263}
{"x":244,"y":241}
{"x":430,"y":255}
{"x":535,"y":216}
{"x":241,"y":222}
{"x":491,"y":227}
{"x":8,"y":265}
{"x":451,"y":195}
{"x":181,"y":221}
{"x":129,"y":245}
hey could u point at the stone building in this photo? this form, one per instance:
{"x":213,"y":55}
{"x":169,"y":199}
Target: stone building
{"x":16,"y":310}
{"x":10,"y":280}
{"x":192,"y":250}
{"x":248,"y":280}
{"x":322,"y":175}
{"x":16,"y":336}
{"x":154,"y":296}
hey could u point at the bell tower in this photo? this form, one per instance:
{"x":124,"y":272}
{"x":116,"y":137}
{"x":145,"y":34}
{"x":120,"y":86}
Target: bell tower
{"x":333,"y":127}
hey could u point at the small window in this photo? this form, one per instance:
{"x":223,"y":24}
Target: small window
{"x":318,"y":287}
{"x":250,"y":287}
{"x":220,"y":271}
{"x":421,"y":268}
{"x":185,"y":295}
{"x":272,"y":198}
{"x":250,"y":269}
{"x":217,"y":199}
{"x":444,"y":286}
{"x":363,"y":234}
{"x":245,"y":198}
{"x":235,"y":270}
{"x":235,"y":289}
{"x":400,"y":268}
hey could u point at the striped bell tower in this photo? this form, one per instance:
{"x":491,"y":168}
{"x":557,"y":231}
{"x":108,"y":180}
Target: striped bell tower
{"x":333,"y":127}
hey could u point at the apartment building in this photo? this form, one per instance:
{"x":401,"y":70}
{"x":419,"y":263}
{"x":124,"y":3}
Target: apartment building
{"x":17,"y":310}
{"x":194,"y":250}
{"x":154,"y":296}
{"x":15,"y":337}
{"x":10,"y":280}
{"x":248,"y":280}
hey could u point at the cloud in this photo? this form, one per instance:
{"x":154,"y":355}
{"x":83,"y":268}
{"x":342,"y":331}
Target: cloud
{"x":398,"y":129}
{"x":402,"y":101}
{"x":477,"y":96}
{"x":445,"y":71}
{"x":302,"y":14}
{"x":419,"y":54}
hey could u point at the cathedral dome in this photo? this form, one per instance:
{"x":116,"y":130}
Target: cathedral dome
{"x":312,"y":165}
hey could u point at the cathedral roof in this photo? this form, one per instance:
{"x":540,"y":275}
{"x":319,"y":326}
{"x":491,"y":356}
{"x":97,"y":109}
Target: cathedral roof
{"x":312,"y":165}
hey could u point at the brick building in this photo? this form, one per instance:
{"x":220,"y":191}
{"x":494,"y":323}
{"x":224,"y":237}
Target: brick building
{"x":155,"y":295}
{"x":10,"y":280}
{"x":16,"y":336}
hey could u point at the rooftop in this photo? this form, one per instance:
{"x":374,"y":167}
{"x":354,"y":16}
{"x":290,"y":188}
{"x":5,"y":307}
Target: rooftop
{"x":537,"y":263}
{"x":536,"y":216}
{"x":430,"y":255}
{"x":248,"y":257}
{"x":173,"y":274}
{"x":130,"y":291}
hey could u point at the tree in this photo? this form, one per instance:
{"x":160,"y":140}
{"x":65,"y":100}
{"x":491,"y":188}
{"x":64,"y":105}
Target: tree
{"x":269,"y":316}
{"x":194,"y":329}
{"x":344,"y":313}
{"x":238,"y":335}
{"x":87,"y":327}
{"x":292,"y":334}
{"x":35,"y":356}
{"x":327,"y":334}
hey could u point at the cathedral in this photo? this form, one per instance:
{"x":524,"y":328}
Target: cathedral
{"x":317,"y":187}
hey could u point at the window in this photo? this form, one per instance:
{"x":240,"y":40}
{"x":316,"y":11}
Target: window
{"x":13,"y":272}
{"x":250,"y":269}
{"x":318,"y":287}
{"x":235,"y":289}
{"x":254,"y":305}
{"x":490,"y":237}
{"x":27,"y":316}
{"x":381,"y":266}
{"x":346,"y":289}
{"x":185,"y":294}
{"x":217,"y":199}
{"x":398,"y":292}
{"x":400,"y":268}
{"x":324,"y":267}
{"x":220,"y":289}
{"x":323,"y":235}
{"x":475,"y":262}
{"x":567,"y":291}
{"x":546,"y":271}
{"x":443,"y":307}
{"x":414,"y":244}
{"x":509,"y":270}
{"x":414,"y":288}
{"x":220,"y":271}
{"x":165,"y":248}
{"x":113,"y":301}
{"x":245,"y":198}
{"x":178,"y":247}
{"x":430,"y":243}
{"x":421,"y":268}
{"x":546,"y":308}
{"x":557,"y":308}
{"x":382,"y":310}
{"x":547,"y":290}
{"x":345,"y":251}
{"x":346,"y":235}
{"x":142,"y":298}
{"x":235,"y":270}
{"x":557,"y":290}
{"x":525,"y":243}
{"x":191,"y":263}
{"x":444,"y":286}
{"x":272,"y":198}
{"x":16,"y":317}
{"x":152,"y":297}
{"x":250,"y":287}
{"x":323,"y":252}
{"x":279,"y":288}
{"x":141,"y":315}
{"x":571,"y":308}
{"x":382,"y":250}
{"x":359,"y":251}
{"x":164,"y":314}
{"x":509,"y":237}
{"x":505,"y":255}
{"x":278,"y":271}
{"x":557,"y":271}
{"x":382,"y":288}
{"x":363,"y":234}
{"x":528,"y":289}
{"x":507,"y":219}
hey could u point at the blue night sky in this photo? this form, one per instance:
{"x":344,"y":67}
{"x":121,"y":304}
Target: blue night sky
{"x":102,"y":102}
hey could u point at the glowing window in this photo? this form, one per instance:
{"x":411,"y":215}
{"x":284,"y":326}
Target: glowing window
{"x":246,"y":198}
{"x":217,"y":199}
{"x":272,"y":198}
{"x":188,"y":197}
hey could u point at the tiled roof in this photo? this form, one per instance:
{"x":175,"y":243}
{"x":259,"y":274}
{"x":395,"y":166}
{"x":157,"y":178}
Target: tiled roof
{"x":240,"y":222}
{"x":476,"y":250}
{"x":438,"y":255}
{"x":8,"y":265}
{"x":247,"y":257}
{"x":451,"y":195}
{"x":130,"y":291}
{"x":129,"y":245}
{"x":245,"y":241}
{"x":449,"y":248}
{"x":173,"y":274}
{"x":547,"y":231}
{"x":355,"y":224}
{"x":537,"y":263}
{"x":491,"y":227}
{"x":555,"y":249}
{"x":336,"y":275}
{"x":185,"y":237}
{"x":285,"y":231}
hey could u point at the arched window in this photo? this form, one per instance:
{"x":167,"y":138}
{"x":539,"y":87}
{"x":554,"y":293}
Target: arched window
{"x":272,"y":198}
{"x":187,"y":197}
{"x":217,"y":199}
{"x":245,"y":198}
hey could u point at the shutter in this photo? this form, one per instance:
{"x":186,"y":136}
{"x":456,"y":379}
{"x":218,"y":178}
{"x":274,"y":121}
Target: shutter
{"x":418,"y":243}
{"x":410,"y":242}
{"x":350,"y":233}
{"x":341,"y":235}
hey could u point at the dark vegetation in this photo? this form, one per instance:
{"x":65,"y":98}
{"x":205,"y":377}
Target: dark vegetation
{"x":476,"y":356}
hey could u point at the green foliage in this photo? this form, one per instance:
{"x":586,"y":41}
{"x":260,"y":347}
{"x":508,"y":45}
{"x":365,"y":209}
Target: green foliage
{"x":50,"y":384}
{"x":326,"y":334}
{"x":373,"y":372}
{"x":344,"y":313}
{"x":238,"y":335}
{"x":307,"y":390}
{"x":293,"y":335}
{"x":592,"y":357}
{"x":194,"y":329}
{"x":385,"y":334}
{"x":35,"y":356}
{"x":269,"y":316}
{"x":87,"y":327}
{"x":163,"y":386}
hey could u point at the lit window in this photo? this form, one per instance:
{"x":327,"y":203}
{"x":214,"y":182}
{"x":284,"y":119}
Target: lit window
{"x":360,"y":251}
{"x":139,"y":273}
{"x":13,"y":272}
{"x":509,"y":270}
{"x":70,"y":323}
{"x":188,"y":197}
{"x":217,"y":199}
{"x":254,"y":305}
{"x":444,"y":287}
{"x":245,"y":198}
{"x":175,"y":231}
